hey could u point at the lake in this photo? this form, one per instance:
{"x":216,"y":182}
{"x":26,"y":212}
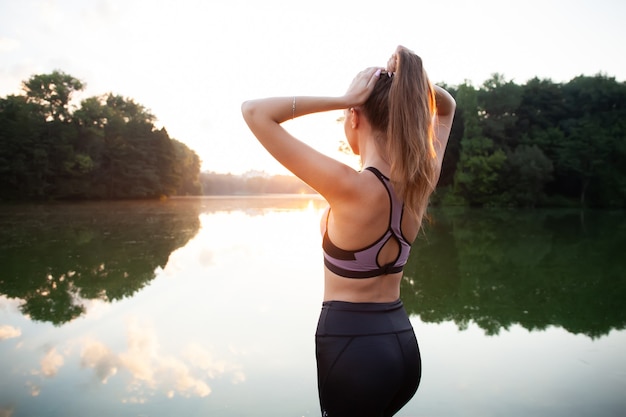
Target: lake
{"x":208,"y":307}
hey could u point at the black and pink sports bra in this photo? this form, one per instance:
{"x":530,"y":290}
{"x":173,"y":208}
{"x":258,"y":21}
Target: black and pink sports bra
{"x":363,"y":263}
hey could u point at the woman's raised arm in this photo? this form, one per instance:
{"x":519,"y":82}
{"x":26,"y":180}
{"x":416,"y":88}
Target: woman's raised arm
{"x":446,"y":106}
{"x":264,"y":117}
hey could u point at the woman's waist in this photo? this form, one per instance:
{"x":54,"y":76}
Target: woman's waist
{"x":344,"y":318}
{"x":363,"y":290}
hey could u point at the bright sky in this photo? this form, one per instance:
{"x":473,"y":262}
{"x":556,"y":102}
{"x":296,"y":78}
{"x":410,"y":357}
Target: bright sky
{"x":192,"y":63}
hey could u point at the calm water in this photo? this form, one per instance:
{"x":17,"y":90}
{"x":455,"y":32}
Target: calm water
{"x":207,"y":307}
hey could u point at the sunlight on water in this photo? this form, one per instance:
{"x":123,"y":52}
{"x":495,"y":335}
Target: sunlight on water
{"x":221,"y":312}
{"x":209,"y":306}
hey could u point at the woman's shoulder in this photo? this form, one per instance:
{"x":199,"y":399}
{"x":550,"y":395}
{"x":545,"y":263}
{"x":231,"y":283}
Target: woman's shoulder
{"x":365,"y":197}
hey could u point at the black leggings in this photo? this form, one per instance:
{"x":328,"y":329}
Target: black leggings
{"x":368,"y":361}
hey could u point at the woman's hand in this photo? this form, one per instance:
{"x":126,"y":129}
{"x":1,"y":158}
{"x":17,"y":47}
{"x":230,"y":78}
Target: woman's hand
{"x":362,"y":86}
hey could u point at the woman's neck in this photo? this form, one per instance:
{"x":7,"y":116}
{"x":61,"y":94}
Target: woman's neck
{"x":371,"y":156}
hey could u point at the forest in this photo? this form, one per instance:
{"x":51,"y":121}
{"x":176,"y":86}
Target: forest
{"x":537,"y":144}
{"x":108,"y":148}
{"x":515,"y":145}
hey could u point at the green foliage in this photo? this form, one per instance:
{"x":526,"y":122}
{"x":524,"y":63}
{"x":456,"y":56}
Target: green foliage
{"x":478,"y":173}
{"x":533,"y":268}
{"x":52,"y":92}
{"x":499,"y":101}
{"x":539,"y":143}
{"x":527,"y":170}
{"x":56,"y":257}
{"x":108,"y":148}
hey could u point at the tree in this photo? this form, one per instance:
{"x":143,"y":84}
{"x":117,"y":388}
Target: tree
{"x":591,"y":154}
{"x":585,"y":152}
{"x":187,"y":171}
{"x":23,"y":160}
{"x":499,"y":101}
{"x":107,"y":148}
{"x":541,"y":107}
{"x":528,"y":170}
{"x":478,"y":171}
{"x":53,"y":93}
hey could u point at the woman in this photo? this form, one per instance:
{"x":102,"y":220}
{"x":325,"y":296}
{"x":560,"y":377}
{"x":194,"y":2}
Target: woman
{"x":368,"y":359}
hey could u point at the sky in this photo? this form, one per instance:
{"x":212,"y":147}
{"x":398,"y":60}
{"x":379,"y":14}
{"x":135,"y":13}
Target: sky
{"x":192,"y":63}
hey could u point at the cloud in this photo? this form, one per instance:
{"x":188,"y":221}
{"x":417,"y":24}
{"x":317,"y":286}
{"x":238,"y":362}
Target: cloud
{"x":141,"y":353}
{"x":35,"y":389}
{"x":160,"y":372}
{"x":9,"y":332}
{"x":6,"y":412}
{"x":97,"y":356}
{"x":51,"y":363}
{"x":178,"y":378}
{"x":150,"y":370}
{"x":201,"y":358}
{"x":141,"y":365}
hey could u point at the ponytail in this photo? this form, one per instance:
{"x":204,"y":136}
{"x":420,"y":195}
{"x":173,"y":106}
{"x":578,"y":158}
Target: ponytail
{"x":402,"y":108}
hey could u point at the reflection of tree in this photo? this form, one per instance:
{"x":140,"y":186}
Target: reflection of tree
{"x":536,"y":269}
{"x":54,"y":256}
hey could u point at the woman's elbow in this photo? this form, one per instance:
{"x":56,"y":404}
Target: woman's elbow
{"x":452,"y":105}
{"x":247,"y":109}
{"x":446,"y":104}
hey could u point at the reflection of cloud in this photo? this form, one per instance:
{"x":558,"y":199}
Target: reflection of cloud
{"x":6,"y":411}
{"x":206,"y":258}
{"x":142,"y":352}
{"x":9,"y":332}
{"x":134,"y":400}
{"x":151,"y":370}
{"x":160,"y":372}
{"x":10,"y":304}
{"x":35,"y":390}
{"x":203,"y":359}
{"x":238,"y":376}
{"x":95,"y":308}
{"x":51,"y":363}
{"x":97,"y":356}
{"x":175,"y":374}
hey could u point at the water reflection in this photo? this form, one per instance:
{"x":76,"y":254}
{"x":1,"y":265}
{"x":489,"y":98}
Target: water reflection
{"x":189,"y":325}
{"x":536,"y":269}
{"x":208,"y":307}
{"x":56,"y":257}
{"x":494,"y":268}
{"x":183,"y":374}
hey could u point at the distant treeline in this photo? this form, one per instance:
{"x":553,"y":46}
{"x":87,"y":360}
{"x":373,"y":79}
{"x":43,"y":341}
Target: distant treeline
{"x":108,"y":148}
{"x":227,"y":184}
{"x":537,"y":144}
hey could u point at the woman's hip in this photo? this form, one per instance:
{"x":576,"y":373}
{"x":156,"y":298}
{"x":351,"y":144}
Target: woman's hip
{"x":341,"y":318}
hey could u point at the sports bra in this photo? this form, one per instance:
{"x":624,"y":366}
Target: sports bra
{"x":363,"y":263}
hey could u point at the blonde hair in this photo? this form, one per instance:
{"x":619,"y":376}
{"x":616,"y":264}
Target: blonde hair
{"x":401,"y":107}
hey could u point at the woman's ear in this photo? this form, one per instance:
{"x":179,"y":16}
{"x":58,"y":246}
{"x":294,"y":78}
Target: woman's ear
{"x":354,"y":117}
